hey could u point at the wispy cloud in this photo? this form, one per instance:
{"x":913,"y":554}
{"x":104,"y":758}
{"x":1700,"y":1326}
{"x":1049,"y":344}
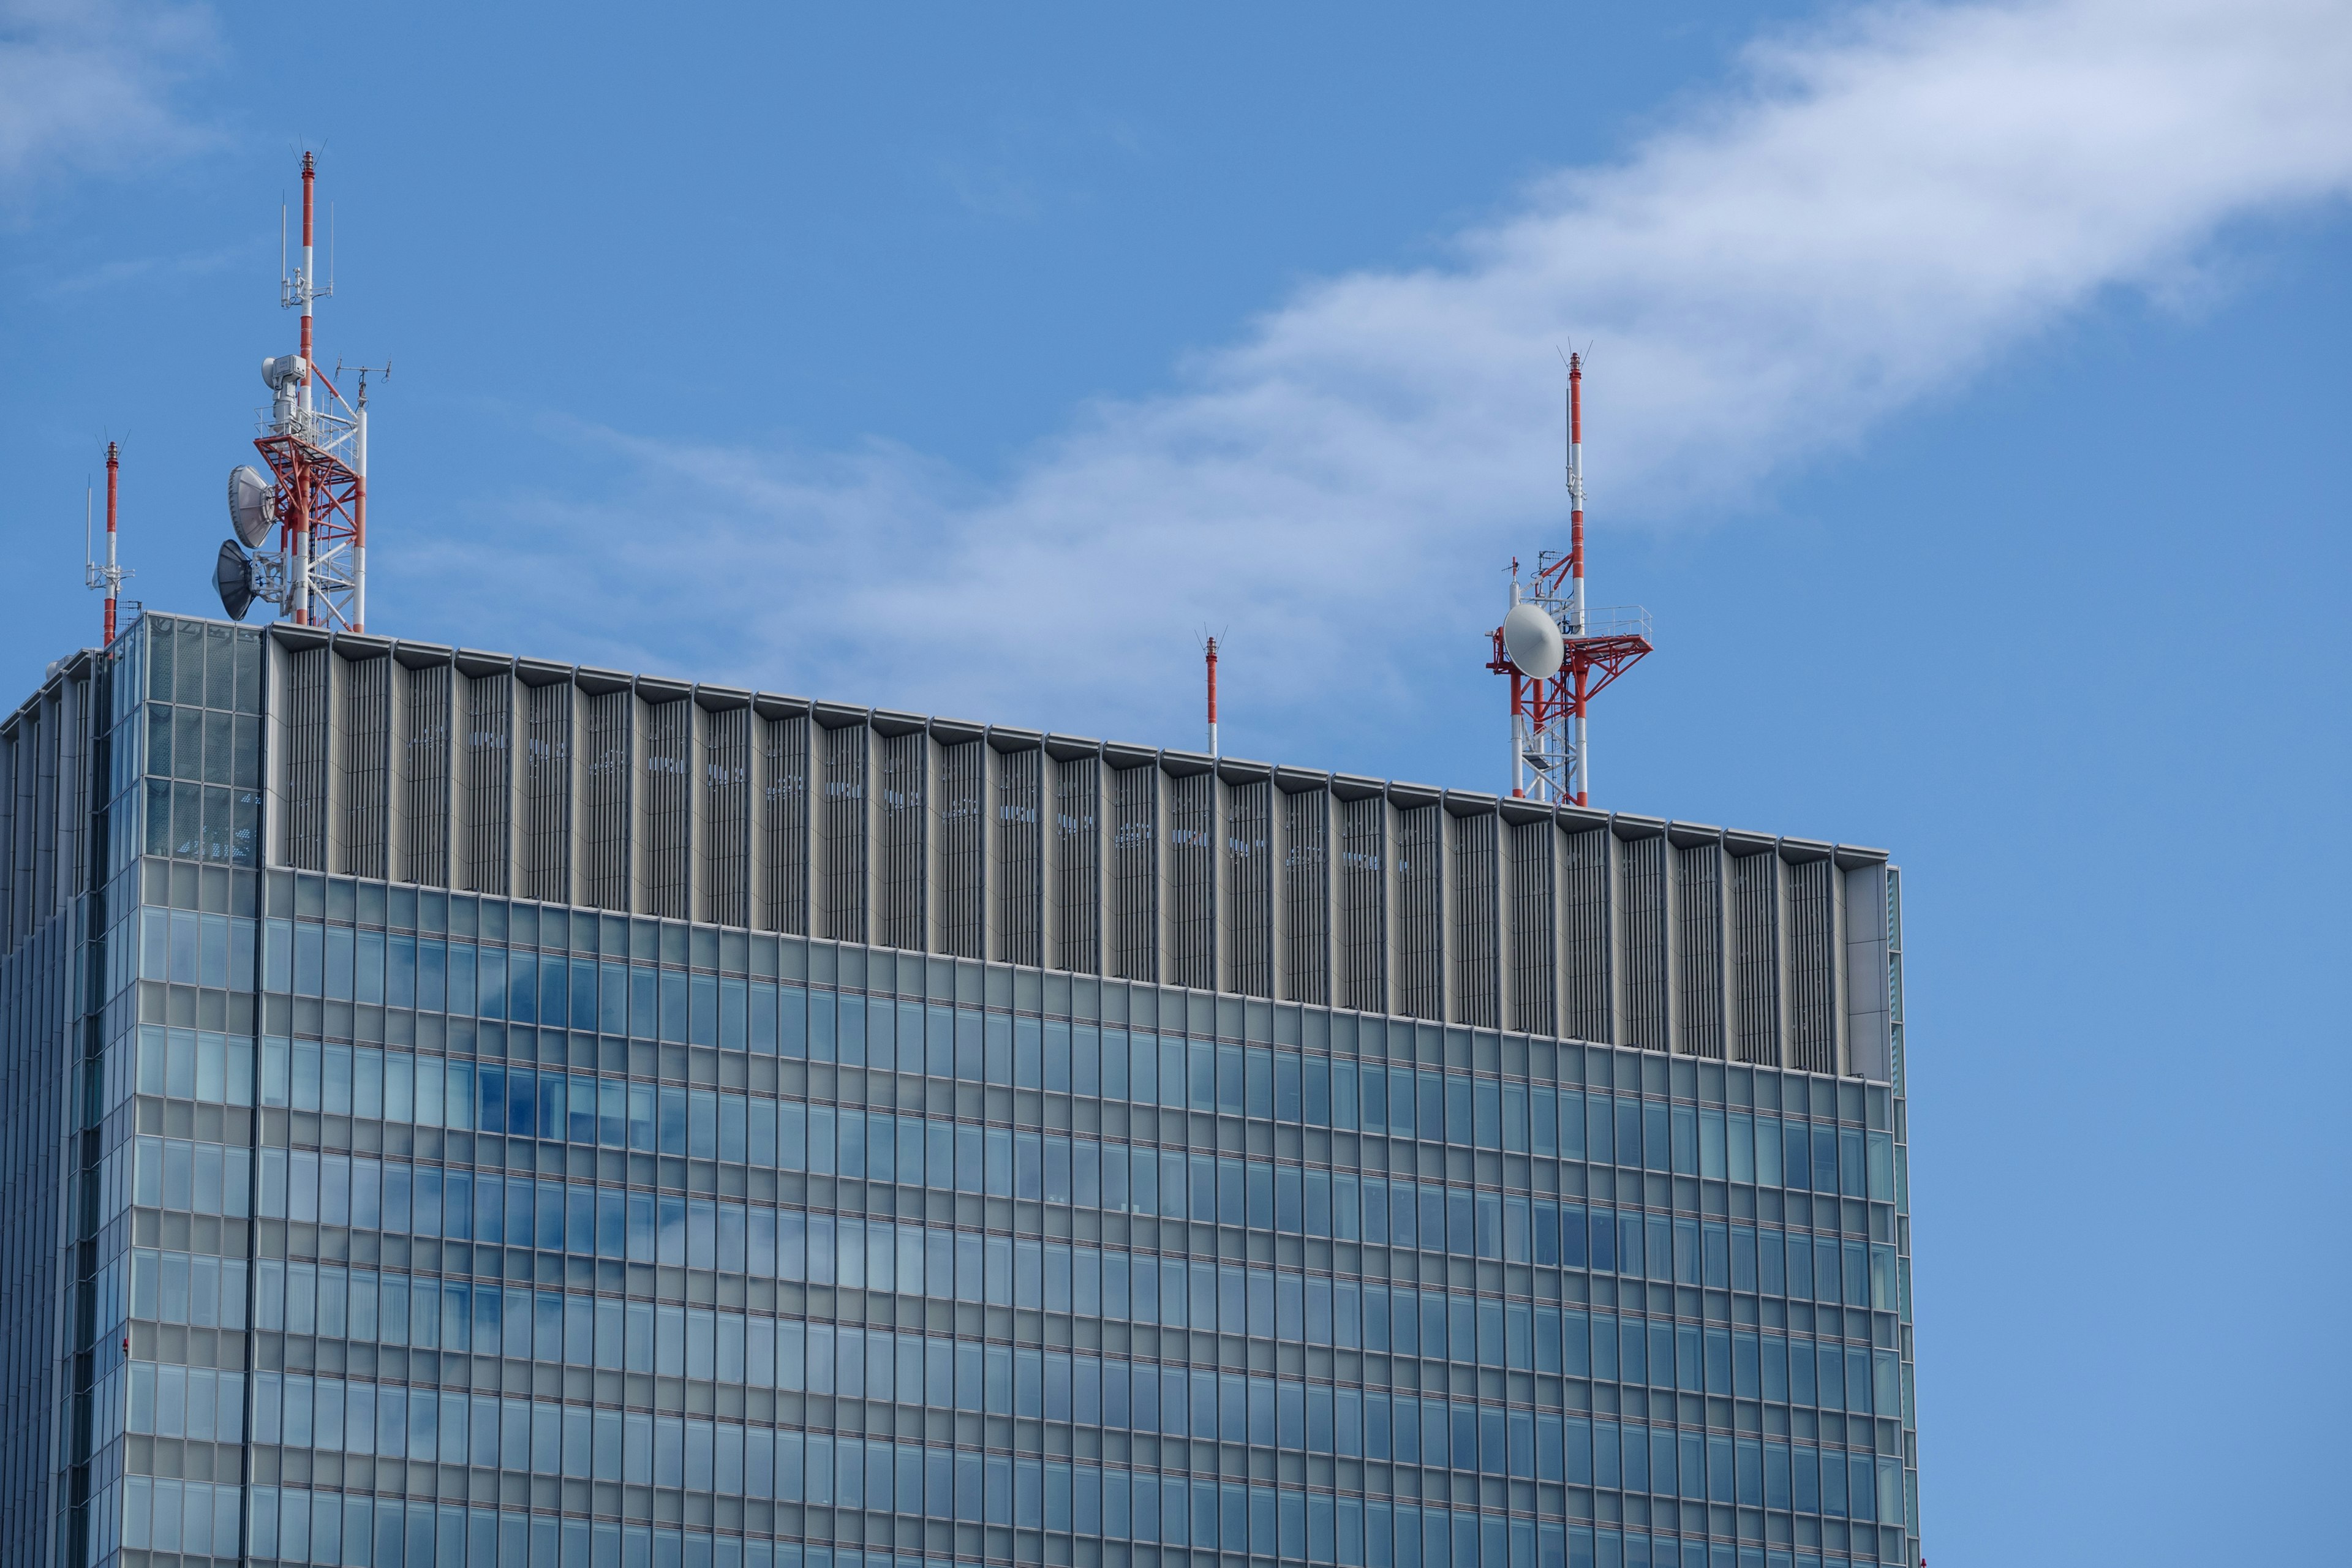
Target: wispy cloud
{"x":87,"y":84}
{"x":1869,"y":213}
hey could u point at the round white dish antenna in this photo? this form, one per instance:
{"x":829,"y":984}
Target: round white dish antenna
{"x":252,"y":505}
{"x":280,"y":370}
{"x":1532,"y":639}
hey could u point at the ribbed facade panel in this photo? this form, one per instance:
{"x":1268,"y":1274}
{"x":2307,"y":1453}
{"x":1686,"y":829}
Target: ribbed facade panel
{"x":545,"y":840}
{"x":427,"y":803}
{"x":726,"y":896}
{"x":1307,"y":896}
{"x":364,"y":766}
{"x":1021,"y":857}
{"x":1077,"y":864}
{"x":1249,"y":883}
{"x":1756,"y":956}
{"x":963,"y":848}
{"x":1698,"y":930}
{"x":1135,"y":872}
{"x":843,"y":833}
{"x":1535,"y":927}
{"x":785,"y":823}
{"x":1641,"y":951}
{"x":1420,"y":912}
{"x":609,"y":779}
{"x":487,"y":783}
{"x":1585,"y":938}
{"x":1193,"y":881}
{"x":1363,"y":918}
{"x":667,"y":823}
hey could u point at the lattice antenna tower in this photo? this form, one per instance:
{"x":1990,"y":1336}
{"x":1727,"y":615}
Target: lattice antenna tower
{"x":301,"y":528}
{"x":1558,"y":655}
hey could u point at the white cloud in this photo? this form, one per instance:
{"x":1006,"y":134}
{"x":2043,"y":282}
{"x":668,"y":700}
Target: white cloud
{"x":86,"y":84}
{"x":1866,"y":216}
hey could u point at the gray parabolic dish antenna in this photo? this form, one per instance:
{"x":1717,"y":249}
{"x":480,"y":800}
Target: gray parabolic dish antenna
{"x":233,"y":576}
{"x":1532,"y":639}
{"x":252,"y":505}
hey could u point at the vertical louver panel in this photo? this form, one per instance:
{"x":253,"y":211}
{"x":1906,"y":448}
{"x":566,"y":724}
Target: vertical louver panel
{"x":1535,"y":999}
{"x":1192,"y":881}
{"x":1698,"y":872}
{"x":727,"y":817}
{"x":1249,"y":856}
{"x":488,"y":781}
{"x":1363,"y":905}
{"x":1135,"y":872}
{"x":899,"y":849}
{"x":843,"y":827}
{"x":1077,"y":864}
{"x":963,"y":848}
{"x":1020,"y":857}
{"x":304,"y":775}
{"x":427,"y":800}
{"x":1755,"y":957}
{"x":668,"y":843}
{"x":611,"y":799}
{"x":1584,"y":945}
{"x":546,"y":871}
{"x":1812,"y":967}
{"x":1307,"y":896}
{"x":1420,"y":914}
{"x":784,"y":824}
{"x":1641,"y":909}
{"x":364,"y":735}
{"x":1478,"y":914}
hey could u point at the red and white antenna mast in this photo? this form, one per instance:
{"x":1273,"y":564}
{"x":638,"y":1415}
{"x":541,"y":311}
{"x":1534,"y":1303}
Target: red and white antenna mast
{"x":314,"y":496}
{"x":110,"y":575}
{"x":1558,"y":655}
{"x":1212,"y":698}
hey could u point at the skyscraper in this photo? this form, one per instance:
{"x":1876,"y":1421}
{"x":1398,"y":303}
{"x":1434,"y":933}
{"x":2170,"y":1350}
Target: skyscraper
{"x":463,"y":1110}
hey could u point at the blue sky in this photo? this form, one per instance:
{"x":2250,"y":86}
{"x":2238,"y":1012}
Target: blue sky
{"x":1960,"y":386}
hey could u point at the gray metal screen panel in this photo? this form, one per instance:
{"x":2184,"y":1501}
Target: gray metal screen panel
{"x":898,"y":880}
{"x":1534,"y":956}
{"x":1363,"y":905}
{"x":365,"y":740}
{"x":1020,"y":853}
{"x":963,"y":848}
{"x":1642,"y":901}
{"x":304,"y":775}
{"x":727,"y":817}
{"x":1420,"y":914}
{"x":1135,"y":872}
{"x":1307,"y":895}
{"x":1584,"y":935}
{"x":1478,"y":914}
{"x":546,"y":858}
{"x":611,"y":797}
{"x":844,"y":826}
{"x":1812,"y":967}
{"x":1192,"y":881}
{"x":425,"y":778}
{"x":1698,"y":921}
{"x":488,"y":785}
{"x":668,"y":849}
{"x":1249,"y":854}
{"x":1755,"y":957}
{"x":1078,"y":865}
{"x":784,"y":824}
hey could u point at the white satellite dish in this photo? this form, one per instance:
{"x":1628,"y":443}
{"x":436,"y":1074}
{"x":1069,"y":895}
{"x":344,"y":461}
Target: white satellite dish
{"x":252,"y":505}
{"x":279,"y":370}
{"x":1532,"y":639}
